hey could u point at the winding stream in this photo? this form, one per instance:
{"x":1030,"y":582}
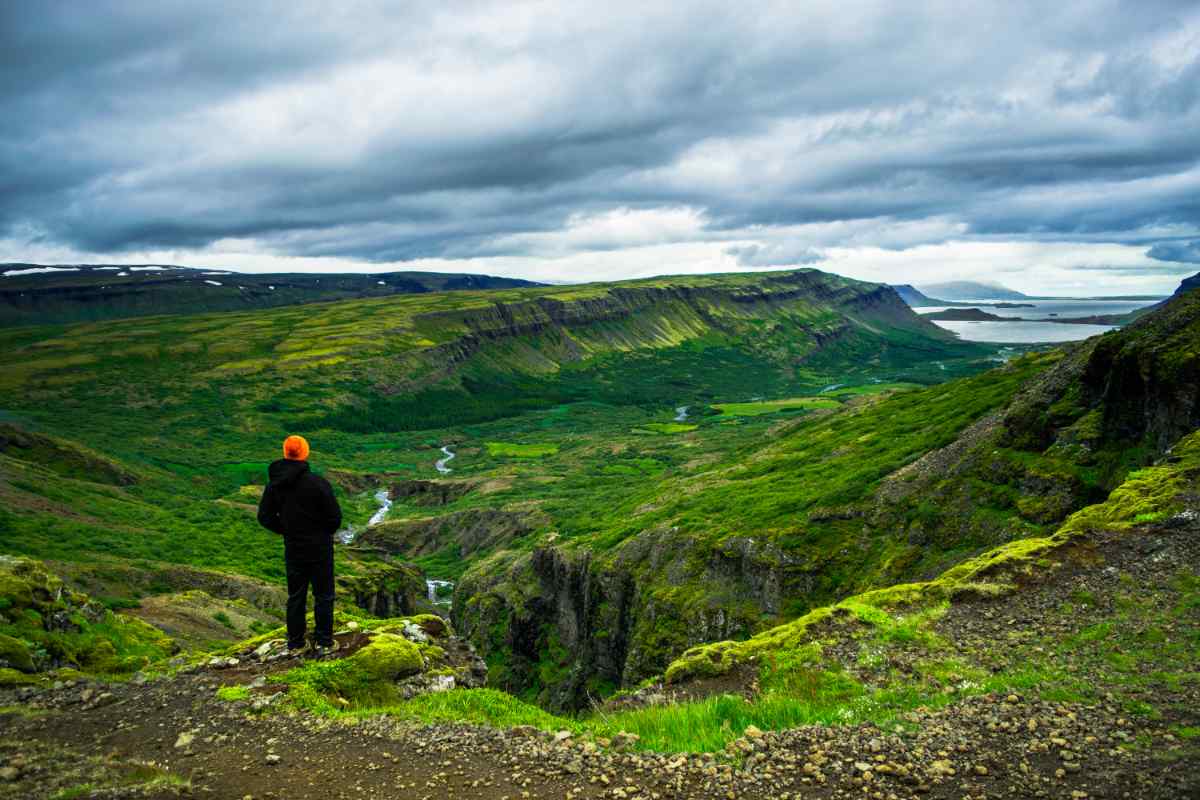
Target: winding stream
{"x":441,"y":464}
{"x":385,"y":505}
{"x":383,"y":497}
{"x":681,"y":414}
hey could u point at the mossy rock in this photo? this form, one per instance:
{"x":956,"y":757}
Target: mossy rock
{"x":433,"y":625}
{"x":12,"y":677}
{"x":14,"y":592}
{"x":101,"y":657}
{"x":389,"y":657}
{"x":14,"y":653}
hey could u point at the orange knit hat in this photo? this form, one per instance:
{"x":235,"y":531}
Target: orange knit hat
{"x":295,"y":448}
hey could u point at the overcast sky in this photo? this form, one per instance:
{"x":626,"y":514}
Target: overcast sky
{"x":1053,"y":147}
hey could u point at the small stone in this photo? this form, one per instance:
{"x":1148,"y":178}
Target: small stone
{"x":185,"y":740}
{"x":272,"y":758}
{"x":753,"y":732}
{"x":980,"y":769}
{"x":9,"y":773}
{"x":624,"y":739}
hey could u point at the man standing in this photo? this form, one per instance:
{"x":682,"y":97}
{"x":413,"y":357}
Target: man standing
{"x":299,"y":505}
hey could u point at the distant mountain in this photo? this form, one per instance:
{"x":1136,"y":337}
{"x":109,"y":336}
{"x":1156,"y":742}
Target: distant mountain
{"x":914,"y":296}
{"x":37,"y":294}
{"x":971,"y":290}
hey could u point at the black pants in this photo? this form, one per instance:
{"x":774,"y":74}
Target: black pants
{"x":301,"y":572}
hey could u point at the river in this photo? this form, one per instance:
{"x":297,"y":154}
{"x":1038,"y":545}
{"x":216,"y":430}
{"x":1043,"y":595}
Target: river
{"x":383,"y":497}
{"x":441,"y":464}
{"x":385,"y":505}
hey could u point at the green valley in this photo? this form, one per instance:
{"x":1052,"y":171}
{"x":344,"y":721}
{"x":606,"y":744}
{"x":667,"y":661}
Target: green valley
{"x":681,"y":510}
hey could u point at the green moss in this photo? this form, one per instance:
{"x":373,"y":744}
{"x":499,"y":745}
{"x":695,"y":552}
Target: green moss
{"x":15,"y":592}
{"x":511,"y":450}
{"x":233,"y":693}
{"x":12,"y":677}
{"x":15,"y":653}
{"x":389,"y":657}
{"x":772,"y":406}
{"x":362,"y":680}
{"x":667,"y":428}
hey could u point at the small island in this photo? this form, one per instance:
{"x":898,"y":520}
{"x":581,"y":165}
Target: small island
{"x":979,"y":315}
{"x":968,"y":315}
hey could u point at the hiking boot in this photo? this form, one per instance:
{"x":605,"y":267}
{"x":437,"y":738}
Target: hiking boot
{"x":299,"y":652}
{"x":327,"y":650}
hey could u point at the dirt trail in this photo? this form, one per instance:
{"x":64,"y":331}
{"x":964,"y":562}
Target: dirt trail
{"x":981,"y":747}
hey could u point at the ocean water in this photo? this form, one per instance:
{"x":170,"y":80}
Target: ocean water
{"x":1022,"y":332}
{"x":1036,"y":331}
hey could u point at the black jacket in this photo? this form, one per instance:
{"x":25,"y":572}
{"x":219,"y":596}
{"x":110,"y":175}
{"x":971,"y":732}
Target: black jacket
{"x":299,"y":505}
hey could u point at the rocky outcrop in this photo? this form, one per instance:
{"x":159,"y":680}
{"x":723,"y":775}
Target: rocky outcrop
{"x":467,"y":532}
{"x":383,"y":660}
{"x":385,"y":588}
{"x":49,"y":626}
{"x":431,"y":493}
{"x":117,"y":578}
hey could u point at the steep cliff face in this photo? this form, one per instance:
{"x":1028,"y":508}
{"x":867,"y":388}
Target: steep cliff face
{"x":1145,"y":378}
{"x":464,"y":531}
{"x":541,"y":348}
{"x":710,"y":302}
{"x":807,"y":306}
{"x":576,"y":626}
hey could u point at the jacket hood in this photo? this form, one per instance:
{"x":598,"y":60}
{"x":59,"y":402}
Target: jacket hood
{"x":286,"y":471}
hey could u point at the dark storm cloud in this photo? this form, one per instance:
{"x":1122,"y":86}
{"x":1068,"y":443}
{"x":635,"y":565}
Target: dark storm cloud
{"x":388,"y":132}
{"x":1186,"y":252}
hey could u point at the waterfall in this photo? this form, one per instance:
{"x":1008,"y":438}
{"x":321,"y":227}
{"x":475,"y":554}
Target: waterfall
{"x":432,"y":587}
